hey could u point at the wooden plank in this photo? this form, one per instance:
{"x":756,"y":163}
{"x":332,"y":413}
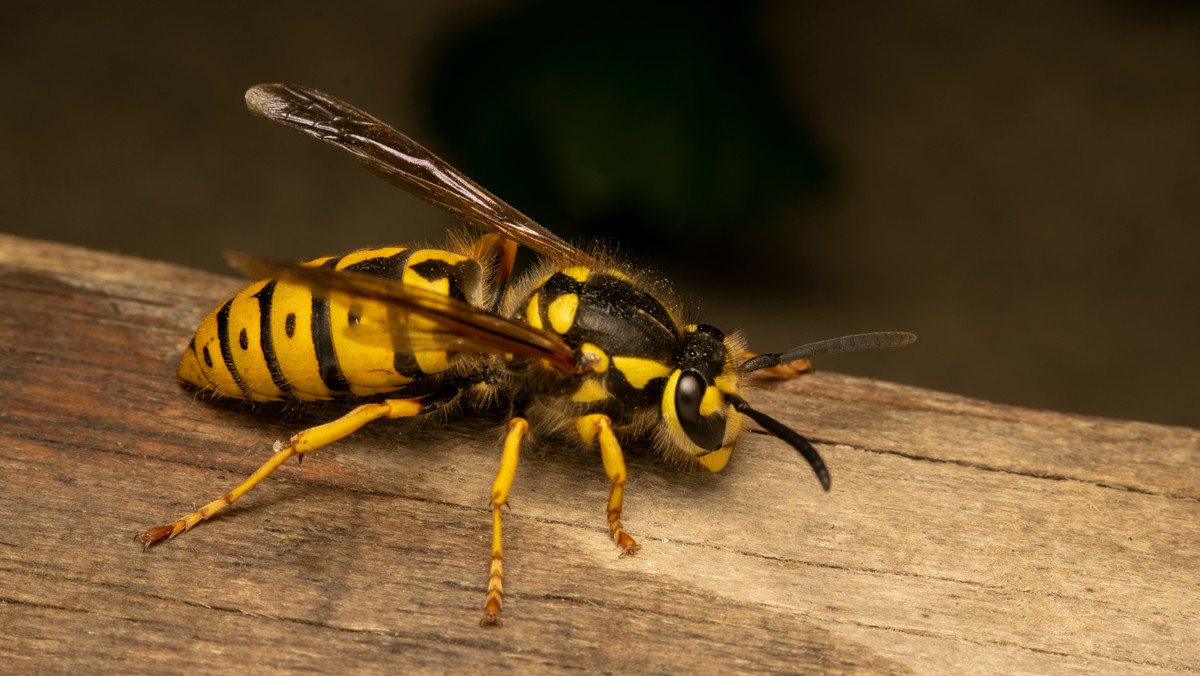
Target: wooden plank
{"x":959,"y":535}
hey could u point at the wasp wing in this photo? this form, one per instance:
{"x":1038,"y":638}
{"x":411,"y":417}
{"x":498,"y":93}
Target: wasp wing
{"x":445,"y":323}
{"x":403,"y":162}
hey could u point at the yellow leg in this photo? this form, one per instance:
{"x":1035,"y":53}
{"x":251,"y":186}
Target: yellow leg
{"x":308,"y":440}
{"x":517,"y":428}
{"x":589,"y":426}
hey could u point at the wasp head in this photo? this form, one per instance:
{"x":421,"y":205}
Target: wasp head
{"x":700,"y":419}
{"x":702,"y":407}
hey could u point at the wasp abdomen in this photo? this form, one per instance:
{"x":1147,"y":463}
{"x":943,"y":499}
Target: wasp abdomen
{"x":277,"y":340}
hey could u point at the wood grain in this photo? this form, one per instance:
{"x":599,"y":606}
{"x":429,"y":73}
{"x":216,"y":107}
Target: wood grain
{"x":960,"y":536}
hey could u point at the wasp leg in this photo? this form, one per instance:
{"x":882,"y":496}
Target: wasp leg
{"x":782,"y":371}
{"x":588,"y":427}
{"x":303,"y":442}
{"x":517,"y":428}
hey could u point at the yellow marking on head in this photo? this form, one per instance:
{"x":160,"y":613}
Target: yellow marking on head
{"x":711,"y":402}
{"x":716,"y":461}
{"x":561,"y":312}
{"x":596,"y":356}
{"x":589,"y":392}
{"x":639,"y":371}
{"x":668,"y":398}
{"x":531,"y":312}
{"x":577,"y":273}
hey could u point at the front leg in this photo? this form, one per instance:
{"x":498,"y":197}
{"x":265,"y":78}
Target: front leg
{"x":589,"y":427}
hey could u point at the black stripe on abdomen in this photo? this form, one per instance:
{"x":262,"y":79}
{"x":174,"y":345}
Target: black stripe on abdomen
{"x":267,"y":339}
{"x":388,"y":267}
{"x":322,"y":336}
{"x":226,"y":348}
{"x":461,"y":276}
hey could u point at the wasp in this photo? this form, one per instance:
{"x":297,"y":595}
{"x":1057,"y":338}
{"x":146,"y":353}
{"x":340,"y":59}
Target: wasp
{"x":581,"y":348}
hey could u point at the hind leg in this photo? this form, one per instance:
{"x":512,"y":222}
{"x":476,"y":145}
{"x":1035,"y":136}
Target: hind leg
{"x":303,"y":442}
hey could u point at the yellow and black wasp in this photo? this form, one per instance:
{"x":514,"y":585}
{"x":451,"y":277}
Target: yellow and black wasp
{"x":581,"y":347}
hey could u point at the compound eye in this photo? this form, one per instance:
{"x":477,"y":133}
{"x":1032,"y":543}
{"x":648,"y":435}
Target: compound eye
{"x":707,"y":432}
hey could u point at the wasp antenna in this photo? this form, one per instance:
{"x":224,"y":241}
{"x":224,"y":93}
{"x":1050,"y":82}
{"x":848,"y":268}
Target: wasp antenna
{"x":785,"y":433}
{"x":861,"y":341}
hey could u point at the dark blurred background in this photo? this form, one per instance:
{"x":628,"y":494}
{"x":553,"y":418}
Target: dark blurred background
{"x":1018,"y":183}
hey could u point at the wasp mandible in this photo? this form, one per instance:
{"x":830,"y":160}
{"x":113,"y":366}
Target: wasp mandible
{"x":582,"y":347}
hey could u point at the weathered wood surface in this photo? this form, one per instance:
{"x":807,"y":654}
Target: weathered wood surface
{"x":960,"y":536}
